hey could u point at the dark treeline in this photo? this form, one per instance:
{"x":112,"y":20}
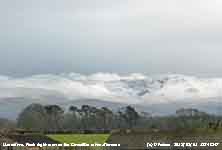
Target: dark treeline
{"x":52,"y":118}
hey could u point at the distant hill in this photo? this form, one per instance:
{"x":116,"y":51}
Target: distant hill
{"x":159,"y":95}
{"x":11,"y":107}
{"x":5,"y":123}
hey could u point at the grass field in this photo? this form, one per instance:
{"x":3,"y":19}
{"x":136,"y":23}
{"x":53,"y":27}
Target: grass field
{"x":80,"y":138}
{"x":136,"y":139}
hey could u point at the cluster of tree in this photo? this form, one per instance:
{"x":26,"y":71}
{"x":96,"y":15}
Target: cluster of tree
{"x":188,"y":119}
{"x":52,"y":118}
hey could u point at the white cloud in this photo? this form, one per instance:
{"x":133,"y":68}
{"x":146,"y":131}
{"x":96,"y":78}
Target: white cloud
{"x":133,"y":88}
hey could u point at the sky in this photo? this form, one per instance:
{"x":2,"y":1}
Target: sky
{"x":117,"y":36}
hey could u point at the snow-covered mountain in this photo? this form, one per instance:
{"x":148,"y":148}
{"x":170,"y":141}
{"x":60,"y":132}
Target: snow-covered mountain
{"x":135,"y":89}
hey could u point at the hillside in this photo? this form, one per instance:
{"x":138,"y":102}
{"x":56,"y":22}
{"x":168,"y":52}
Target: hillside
{"x":159,"y":95}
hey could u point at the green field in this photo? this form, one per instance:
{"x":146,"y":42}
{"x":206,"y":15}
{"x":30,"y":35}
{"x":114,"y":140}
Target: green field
{"x":136,"y":139}
{"x":80,"y":138}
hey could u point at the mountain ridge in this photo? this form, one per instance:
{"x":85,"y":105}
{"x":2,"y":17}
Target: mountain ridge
{"x":152,"y":93}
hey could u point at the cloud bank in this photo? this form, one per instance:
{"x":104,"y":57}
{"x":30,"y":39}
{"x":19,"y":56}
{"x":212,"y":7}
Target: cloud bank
{"x":131,"y":89}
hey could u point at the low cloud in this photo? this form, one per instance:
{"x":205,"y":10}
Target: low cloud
{"x":132,"y":88}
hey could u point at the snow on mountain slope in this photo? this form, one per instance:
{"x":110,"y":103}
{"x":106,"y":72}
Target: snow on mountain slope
{"x":179,"y":87}
{"x":130,"y":89}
